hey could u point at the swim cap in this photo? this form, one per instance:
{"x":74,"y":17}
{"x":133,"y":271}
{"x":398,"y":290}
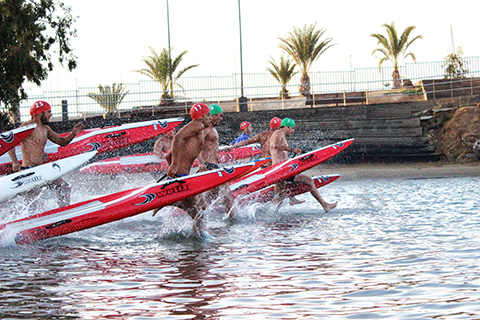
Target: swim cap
{"x":244,"y":125}
{"x":287,"y":122}
{"x":275,"y":122}
{"x":198,"y":110}
{"x":38,"y":107}
{"x":215,"y":109}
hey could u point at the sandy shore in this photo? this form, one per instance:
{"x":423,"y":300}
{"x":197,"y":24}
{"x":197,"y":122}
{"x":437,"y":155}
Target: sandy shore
{"x":359,"y":171}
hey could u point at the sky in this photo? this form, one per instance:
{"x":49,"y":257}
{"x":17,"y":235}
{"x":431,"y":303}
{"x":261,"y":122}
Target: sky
{"x":113,"y":36}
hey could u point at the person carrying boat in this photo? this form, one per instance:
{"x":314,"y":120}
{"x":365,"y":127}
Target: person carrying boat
{"x":33,"y":147}
{"x":186,"y":146}
{"x":209,"y":158}
{"x":246,"y":128}
{"x":279,"y":152}
{"x":263,"y":138}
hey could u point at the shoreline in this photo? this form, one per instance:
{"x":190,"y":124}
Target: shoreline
{"x":410,"y":170}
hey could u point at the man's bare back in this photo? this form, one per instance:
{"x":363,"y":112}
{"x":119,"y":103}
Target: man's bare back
{"x":186,"y":145}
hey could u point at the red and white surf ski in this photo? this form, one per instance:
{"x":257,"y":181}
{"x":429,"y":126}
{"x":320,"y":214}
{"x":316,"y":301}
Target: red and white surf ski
{"x":120,"y":205}
{"x":280,"y":171}
{"x":148,"y":162}
{"x":10,"y":139}
{"x":292,"y":189}
{"x":102,"y":140}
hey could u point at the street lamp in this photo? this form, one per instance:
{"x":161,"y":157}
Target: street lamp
{"x":169,"y":52}
{"x":242,"y":101}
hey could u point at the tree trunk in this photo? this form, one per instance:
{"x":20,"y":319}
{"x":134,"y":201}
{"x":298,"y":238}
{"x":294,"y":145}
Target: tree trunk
{"x":397,"y":81}
{"x":304,"y":88}
{"x":14,"y":113}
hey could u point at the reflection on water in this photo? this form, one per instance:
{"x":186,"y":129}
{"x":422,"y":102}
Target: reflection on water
{"x":392,"y":249}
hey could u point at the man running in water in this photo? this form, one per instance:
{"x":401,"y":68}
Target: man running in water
{"x":264,"y":139}
{"x":186,"y":146}
{"x":279,"y":152}
{"x":209,"y":158}
{"x":33,"y":147}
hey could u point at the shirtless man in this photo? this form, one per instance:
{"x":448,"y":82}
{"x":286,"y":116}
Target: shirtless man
{"x":33,"y":147}
{"x":163,"y":144}
{"x":264,"y":139}
{"x":186,"y":146}
{"x":209,"y":158}
{"x":279,"y":152}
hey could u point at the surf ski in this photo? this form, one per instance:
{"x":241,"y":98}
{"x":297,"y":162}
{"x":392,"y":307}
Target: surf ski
{"x":27,"y":179}
{"x":101,"y":140}
{"x":291,"y":189}
{"x":10,"y":139}
{"x":148,"y":162}
{"x":120,"y":205}
{"x":286,"y":169}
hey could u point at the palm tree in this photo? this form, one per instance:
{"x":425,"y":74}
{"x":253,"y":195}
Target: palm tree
{"x":283,"y":73}
{"x":109,"y":98}
{"x":394,"y":48}
{"x":161,"y":67}
{"x":305,"y":47}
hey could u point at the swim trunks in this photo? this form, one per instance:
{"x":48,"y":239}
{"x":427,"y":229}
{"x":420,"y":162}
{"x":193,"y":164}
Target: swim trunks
{"x":177,"y":175}
{"x":211,"y":166}
{"x":291,"y":179}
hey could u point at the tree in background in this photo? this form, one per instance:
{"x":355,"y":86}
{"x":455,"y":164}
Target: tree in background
{"x":394,"y":48}
{"x":161,"y":67}
{"x":305,"y":47}
{"x":30,"y":31}
{"x":455,"y":67}
{"x":283,"y":73}
{"x":109,"y":98}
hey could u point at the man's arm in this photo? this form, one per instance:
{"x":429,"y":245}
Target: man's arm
{"x":248,"y":141}
{"x":63,"y":141}
{"x":16,"y":164}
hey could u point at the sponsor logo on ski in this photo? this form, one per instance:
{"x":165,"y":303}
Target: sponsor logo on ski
{"x":147,"y":198}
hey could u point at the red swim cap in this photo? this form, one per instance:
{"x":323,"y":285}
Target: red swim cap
{"x":244,"y":125}
{"x":38,"y":107}
{"x":198,"y":110}
{"x":275,"y":122}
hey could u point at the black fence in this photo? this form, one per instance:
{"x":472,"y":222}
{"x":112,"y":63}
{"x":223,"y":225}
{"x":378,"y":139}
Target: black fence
{"x":343,"y":87}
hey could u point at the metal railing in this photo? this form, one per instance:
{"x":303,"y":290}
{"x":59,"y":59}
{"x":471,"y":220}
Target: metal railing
{"x":226,"y":89}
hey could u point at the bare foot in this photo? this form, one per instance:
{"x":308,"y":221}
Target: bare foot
{"x":293,"y":201}
{"x":330,"y":206}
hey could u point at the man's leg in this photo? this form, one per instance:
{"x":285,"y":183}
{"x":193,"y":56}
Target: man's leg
{"x":63,"y":191}
{"x":301,"y":178}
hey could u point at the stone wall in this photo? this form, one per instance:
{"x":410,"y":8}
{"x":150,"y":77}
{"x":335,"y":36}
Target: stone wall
{"x":385,"y":131}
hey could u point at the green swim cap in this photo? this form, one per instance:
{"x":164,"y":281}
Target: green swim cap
{"x":287,"y":122}
{"x":215,"y":109}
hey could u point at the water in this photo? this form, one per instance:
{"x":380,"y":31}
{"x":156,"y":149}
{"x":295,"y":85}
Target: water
{"x":400,"y":249}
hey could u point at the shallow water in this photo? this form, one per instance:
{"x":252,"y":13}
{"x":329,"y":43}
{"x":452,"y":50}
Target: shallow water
{"x":403,"y":249}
